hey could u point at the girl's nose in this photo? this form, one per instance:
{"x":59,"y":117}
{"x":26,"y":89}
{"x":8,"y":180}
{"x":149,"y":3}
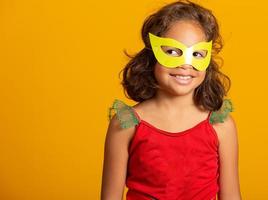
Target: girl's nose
{"x":186,"y":66}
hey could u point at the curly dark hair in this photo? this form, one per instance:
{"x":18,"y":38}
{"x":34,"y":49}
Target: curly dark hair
{"x":139,"y":82}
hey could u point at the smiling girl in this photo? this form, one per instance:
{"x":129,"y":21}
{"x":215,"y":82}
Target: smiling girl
{"x":179,"y":141}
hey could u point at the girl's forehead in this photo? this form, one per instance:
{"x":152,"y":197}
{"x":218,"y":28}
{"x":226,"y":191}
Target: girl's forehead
{"x":187,"y":32}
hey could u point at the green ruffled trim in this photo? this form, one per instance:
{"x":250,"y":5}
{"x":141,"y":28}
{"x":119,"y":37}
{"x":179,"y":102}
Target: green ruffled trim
{"x":124,"y":114}
{"x":222,"y":113}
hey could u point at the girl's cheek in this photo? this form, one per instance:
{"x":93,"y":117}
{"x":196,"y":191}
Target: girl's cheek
{"x":200,"y":77}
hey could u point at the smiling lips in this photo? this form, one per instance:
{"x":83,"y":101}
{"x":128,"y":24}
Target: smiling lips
{"x":182,"y":79}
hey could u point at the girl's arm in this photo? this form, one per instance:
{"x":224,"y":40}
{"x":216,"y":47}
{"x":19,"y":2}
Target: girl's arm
{"x":115,"y":161}
{"x":228,"y":155}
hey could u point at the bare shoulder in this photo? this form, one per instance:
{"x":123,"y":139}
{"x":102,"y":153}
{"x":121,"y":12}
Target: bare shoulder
{"x":117,"y":132}
{"x":226,"y":129}
{"x":144,"y":107}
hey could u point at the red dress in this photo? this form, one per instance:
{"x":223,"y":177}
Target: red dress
{"x":173,"y":166}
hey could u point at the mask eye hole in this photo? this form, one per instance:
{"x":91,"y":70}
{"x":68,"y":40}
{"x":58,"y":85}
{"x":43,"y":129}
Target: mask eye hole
{"x":200,"y":54}
{"x":172,"y":51}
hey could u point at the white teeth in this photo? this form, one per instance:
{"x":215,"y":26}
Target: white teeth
{"x":183,"y":77}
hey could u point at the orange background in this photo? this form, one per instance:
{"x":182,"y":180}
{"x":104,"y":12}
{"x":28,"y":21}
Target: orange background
{"x":59,"y":74}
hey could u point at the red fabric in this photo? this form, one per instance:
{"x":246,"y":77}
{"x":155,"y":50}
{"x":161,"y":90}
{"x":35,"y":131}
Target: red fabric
{"x":173,"y":166}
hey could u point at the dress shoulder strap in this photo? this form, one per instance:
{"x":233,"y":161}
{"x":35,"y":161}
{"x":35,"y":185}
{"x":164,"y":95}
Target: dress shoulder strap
{"x":124,"y":113}
{"x":221,"y":114}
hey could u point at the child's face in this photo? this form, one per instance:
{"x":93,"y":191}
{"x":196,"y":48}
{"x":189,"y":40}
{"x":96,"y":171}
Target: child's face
{"x":183,"y":79}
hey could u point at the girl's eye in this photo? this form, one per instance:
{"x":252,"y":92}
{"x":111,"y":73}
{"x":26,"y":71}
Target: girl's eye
{"x":200,"y":54}
{"x":172,"y":51}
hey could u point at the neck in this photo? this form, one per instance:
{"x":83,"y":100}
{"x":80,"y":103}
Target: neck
{"x":169,"y":102}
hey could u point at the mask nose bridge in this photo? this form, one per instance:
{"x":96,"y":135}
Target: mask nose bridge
{"x":188,"y":56}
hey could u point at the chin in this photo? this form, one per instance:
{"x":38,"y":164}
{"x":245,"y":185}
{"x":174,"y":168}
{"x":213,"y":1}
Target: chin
{"x":181,"y":91}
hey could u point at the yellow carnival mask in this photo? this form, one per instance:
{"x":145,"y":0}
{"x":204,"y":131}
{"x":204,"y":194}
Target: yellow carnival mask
{"x":198,"y":55}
